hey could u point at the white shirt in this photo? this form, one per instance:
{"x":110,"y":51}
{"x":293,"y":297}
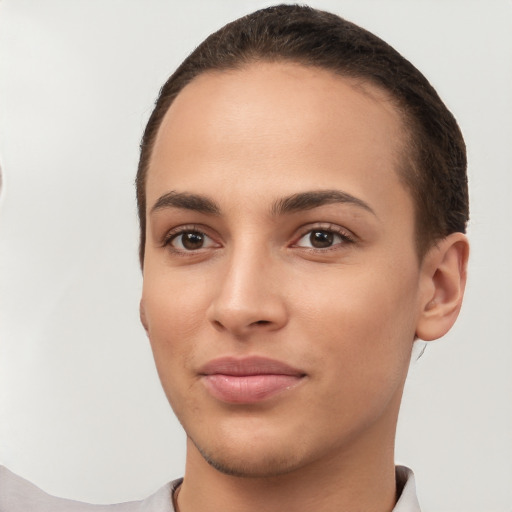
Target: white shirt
{"x":19,"y":495}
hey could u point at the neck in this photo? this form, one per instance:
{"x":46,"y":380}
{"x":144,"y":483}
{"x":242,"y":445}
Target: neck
{"x":360,"y":477}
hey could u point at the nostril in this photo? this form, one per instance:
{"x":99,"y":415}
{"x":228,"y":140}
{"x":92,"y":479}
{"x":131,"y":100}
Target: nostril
{"x":217,"y":324}
{"x":261,"y":322}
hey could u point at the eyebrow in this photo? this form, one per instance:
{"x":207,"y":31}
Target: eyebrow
{"x":314,"y":199}
{"x":187,"y":201}
{"x":286,"y":205}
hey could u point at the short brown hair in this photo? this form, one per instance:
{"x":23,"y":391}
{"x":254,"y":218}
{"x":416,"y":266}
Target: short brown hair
{"x":434,"y":168}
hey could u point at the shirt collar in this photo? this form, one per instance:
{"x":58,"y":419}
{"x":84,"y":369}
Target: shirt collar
{"x":406,"y":485}
{"x":408,"y":501}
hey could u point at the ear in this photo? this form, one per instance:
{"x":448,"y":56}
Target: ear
{"x":142,"y":315}
{"x":443,"y":280}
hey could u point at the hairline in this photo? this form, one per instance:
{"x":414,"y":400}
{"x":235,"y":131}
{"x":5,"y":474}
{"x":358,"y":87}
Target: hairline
{"x":405,"y":165}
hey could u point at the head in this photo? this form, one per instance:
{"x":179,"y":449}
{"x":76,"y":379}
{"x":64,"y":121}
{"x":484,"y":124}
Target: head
{"x":302,"y":199}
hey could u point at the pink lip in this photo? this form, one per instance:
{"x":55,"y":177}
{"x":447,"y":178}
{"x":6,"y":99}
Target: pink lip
{"x":248,"y":380}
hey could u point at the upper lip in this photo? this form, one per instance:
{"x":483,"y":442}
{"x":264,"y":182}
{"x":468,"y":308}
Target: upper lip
{"x":246,"y":366}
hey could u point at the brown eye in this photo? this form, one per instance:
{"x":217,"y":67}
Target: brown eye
{"x":321,"y":239}
{"x":190,"y":241}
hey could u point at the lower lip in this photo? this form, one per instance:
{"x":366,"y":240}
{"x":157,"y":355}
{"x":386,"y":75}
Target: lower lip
{"x":248,"y":389}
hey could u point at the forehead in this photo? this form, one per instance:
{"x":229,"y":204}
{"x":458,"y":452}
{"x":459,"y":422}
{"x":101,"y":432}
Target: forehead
{"x":277,"y":122}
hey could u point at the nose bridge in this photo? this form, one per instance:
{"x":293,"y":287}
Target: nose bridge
{"x":247,"y":297}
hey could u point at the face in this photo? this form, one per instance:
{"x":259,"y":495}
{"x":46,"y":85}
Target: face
{"x":281,"y":282}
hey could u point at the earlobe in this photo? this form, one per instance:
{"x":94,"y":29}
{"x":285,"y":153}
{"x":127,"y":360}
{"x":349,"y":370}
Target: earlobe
{"x":142,"y":315}
{"x":443,"y":278}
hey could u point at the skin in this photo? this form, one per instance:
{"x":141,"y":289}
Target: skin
{"x":345,"y":314}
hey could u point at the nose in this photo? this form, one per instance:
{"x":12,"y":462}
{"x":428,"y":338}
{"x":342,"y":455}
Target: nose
{"x":249,"y":295}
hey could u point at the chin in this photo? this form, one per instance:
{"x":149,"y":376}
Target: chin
{"x":251,"y":462}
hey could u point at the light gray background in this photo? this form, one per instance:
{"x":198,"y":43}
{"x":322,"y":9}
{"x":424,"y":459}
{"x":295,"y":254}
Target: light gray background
{"x":81,"y":410}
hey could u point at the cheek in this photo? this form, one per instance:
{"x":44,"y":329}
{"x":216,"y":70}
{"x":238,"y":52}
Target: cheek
{"x":365,"y":319}
{"x":362,"y":343}
{"x":175,"y":311}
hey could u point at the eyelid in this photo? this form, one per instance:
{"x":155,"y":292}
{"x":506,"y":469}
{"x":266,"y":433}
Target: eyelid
{"x":173,"y":233}
{"x":348,"y":236}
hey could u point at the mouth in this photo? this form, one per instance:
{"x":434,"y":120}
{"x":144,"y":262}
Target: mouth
{"x":248,"y":380}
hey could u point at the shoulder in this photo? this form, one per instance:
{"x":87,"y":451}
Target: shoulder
{"x":19,"y":495}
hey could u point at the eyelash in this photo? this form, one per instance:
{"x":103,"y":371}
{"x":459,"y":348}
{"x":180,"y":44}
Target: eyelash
{"x":177,"y":232}
{"x":345,"y":235}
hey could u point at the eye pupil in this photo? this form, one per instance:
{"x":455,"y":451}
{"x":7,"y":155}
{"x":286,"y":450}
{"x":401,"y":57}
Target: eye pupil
{"x":192,"y":240}
{"x":321,"y":239}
